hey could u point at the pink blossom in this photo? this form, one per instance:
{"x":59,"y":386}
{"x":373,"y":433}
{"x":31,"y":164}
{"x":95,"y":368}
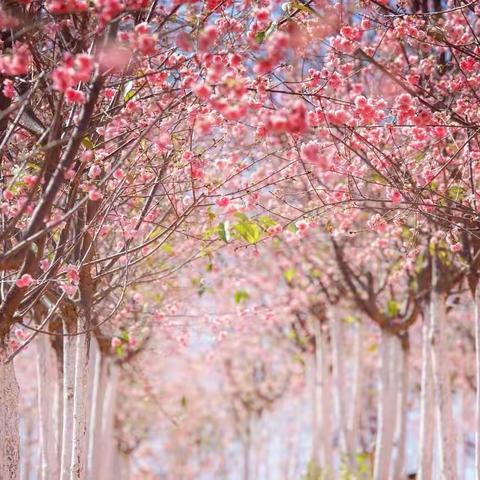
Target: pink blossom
{"x":95,"y":171}
{"x":74,"y":96}
{"x":87,"y":156}
{"x":456,"y":247}
{"x":396,"y":197}
{"x":8,"y":89}
{"x":73,"y":274}
{"x":24,"y":281}
{"x":83,"y":67}
{"x":311,"y":152}
{"x":377,"y":224}
{"x":19,"y":333}
{"x":202,"y":91}
{"x":44,"y":264}
{"x":8,"y":195}
{"x":208,"y":37}
{"x":222,"y":202}
{"x":94,"y":195}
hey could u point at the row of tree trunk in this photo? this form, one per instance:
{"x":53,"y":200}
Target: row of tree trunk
{"x":329,"y":383}
{"x":77,"y":391}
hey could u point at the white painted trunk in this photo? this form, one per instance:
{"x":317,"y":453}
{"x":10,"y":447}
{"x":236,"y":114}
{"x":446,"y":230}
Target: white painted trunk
{"x":427,"y":409}
{"x":402,"y":411}
{"x":46,"y":380}
{"x":441,"y":383}
{"x":386,"y":408}
{"x":108,"y":417}
{"x":9,"y":435}
{"x":462,"y":402}
{"x":95,"y":429}
{"x":124,"y":462}
{"x":69,"y":351}
{"x":476,"y":313}
{"x":338,"y":338}
{"x":58,"y":410}
{"x":79,"y":447}
{"x":324,"y":401}
{"x":316,"y":434}
{"x":356,"y":409}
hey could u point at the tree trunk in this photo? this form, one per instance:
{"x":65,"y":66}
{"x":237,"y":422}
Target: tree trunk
{"x":441,"y":382}
{"x":427,"y":410}
{"x":68,"y":400}
{"x":108,"y":418}
{"x":95,"y":428}
{"x":247,"y":447}
{"x":79,"y":447}
{"x":58,"y":403}
{"x":402,"y":410}
{"x":354,"y":422}
{"x":46,"y":379}
{"x":386,"y":409}
{"x":476,"y":313}
{"x":124,"y":462}
{"x":312,"y":374}
{"x":9,"y":435}
{"x":337,"y":330}
{"x":324,"y":400}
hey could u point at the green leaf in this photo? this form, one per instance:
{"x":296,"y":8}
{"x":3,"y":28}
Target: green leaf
{"x":288,"y":274}
{"x":392,"y":308}
{"x":266,"y":222}
{"x":211,"y":214}
{"x":167,"y":247}
{"x":87,"y":143}
{"x":250,"y":232}
{"x":260,"y":36}
{"x":241,"y":216}
{"x":209,"y":232}
{"x":350,"y":320}
{"x":155,"y":232}
{"x":456,"y":192}
{"x":129,"y":92}
{"x":241,"y":296}
{"x":246,"y":229}
{"x":224,"y":231}
{"x":33,"y":166}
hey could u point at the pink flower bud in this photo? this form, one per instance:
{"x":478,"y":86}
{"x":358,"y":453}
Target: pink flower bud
{"x":94,"y":195}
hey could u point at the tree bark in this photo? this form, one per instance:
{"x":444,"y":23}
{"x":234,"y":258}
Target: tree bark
{"x":312,"y":373}
{"x":337,"y":331}
{"x":441,"y":382}
{"x":58,"y":403}
{"x":427,"y":410}
{"x":476,"y":314}
{"x":386,"y":409}
{"x":324,"y":400}
{"x":46,"y":382}
{"x":79,"y":447}
{"x":108,"y":418}
{"x":402,"y":410}
{"x":97,"y":411}
{"x":356,"y":408}
{"x":69,"y":352}
{"x":9,"y":434}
